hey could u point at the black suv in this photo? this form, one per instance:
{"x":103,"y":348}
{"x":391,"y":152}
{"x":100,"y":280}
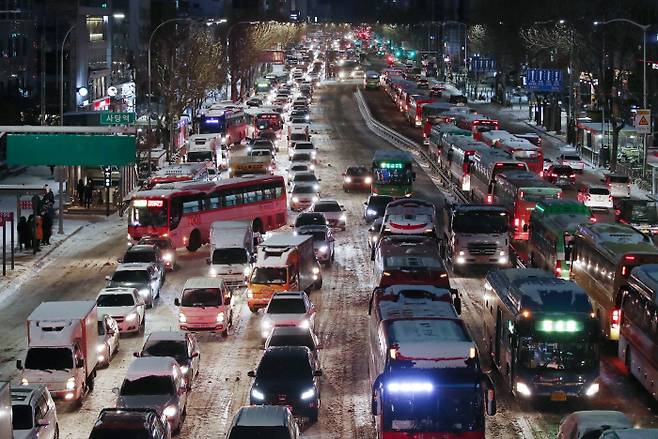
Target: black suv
{"x":286,"y":376}
{"x":146,"y":253}
{"x":310,"y":219}
{"x":114,"y":423}
{"x":165,"y":246}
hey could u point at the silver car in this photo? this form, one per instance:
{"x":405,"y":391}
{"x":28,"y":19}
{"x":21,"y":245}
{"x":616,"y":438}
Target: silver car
{"x":157,"y":383}
{"x":323,"y":242}
{"x":33,"y":413}
{"x":108,"y":340}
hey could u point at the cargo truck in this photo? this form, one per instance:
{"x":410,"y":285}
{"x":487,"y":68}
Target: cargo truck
{"x":232,"y":251}
{"x":61,"y":348}
{"x":285,"y":262}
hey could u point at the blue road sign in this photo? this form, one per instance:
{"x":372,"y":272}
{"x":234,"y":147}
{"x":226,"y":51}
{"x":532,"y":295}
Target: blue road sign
{"x":544,"y":80}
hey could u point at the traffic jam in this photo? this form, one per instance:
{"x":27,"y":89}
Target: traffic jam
{"x":564,"y":272}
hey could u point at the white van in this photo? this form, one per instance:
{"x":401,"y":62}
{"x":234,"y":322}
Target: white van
{"x":205,"y":305}
{"x":232,"y":251}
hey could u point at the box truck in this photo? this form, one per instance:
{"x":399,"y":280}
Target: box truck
{"x":232,"y":251}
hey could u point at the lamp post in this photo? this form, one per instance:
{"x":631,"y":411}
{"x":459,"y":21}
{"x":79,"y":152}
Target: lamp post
{"x":61,"y":76}
{"x":644,"y":28}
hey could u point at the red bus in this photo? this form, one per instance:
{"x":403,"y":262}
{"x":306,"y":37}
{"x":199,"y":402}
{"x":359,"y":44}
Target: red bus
{"x":183,"y":212}
{"x":268,"y":121}
{"x":476,"y":123}
{"x":523,"y":151}
{"x":519,"y":192}
{"x":456,"y":158}
{"x":230,"y":123}
{"x":433,"y":112}
{"x":414,"y":111}
{"x":424,"y":372}
{"x":195,"y":171}
{"x":409,"y":259}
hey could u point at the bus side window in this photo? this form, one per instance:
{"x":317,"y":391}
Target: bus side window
{"x":175,"y":213}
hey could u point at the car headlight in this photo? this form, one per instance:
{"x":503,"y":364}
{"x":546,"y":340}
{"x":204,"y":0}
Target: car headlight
{"x":182,"y":318}
{"x":168,"y":257}
{"x":316,"y":270}
{"x":592,"y":390}
{"x":523,"y":389}
{"x":373,"y":238}
{"x":323,"y":249}
{"x":170,"y":411}
{"x":311,"y":167}
{"x":266,"y":324}
{"x":316,"y":187}
{"x":371,"y":212}
{"x":246,"y":271}
{"x":212,"y":272}
{"x":308,"y":394}
{"x":184,"y":369}
{"x":314,"y":199}
{"x":257,"y":394}
{"x":304,"y":324}
{"x":348,"y":179}
{"x":131,"y":317}
{"x":250,"y":293}
{"x":295,"y":199}
{"x":25,"y":381}
{"x":70,"y":384}
{"x":343,"y":218}
{"x":368,"y":180}
{"x":144,"y":292}
{"x":220,"y":317}
{"x":100,"y":348}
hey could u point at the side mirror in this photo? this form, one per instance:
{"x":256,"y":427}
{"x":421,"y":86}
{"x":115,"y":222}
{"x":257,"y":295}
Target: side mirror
{"x":136,"y":354}
{"x":317,"y":373}
{"x":79,"y":363}
{"x":365,"y":203}
{"x":208,"y":261}
{"x":456,"y":301}
{"x":319,"y":179}
{"x":108,"y":278}
{"x":195,"y":354}
{"x":43,"y":422}
{"x":177,"y":301}
{"x":115,"y":390}
{"x":19,"y":364}
{"x":120,"y":260}
{"x":251,"y":374}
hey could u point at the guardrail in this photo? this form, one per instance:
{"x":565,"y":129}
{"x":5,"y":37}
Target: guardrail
{"x":404,"y":143}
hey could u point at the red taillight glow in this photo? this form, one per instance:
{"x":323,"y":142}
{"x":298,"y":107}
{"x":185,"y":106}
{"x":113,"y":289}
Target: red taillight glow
{"x":616,"y":317}
{"x":489,"y":199}
{"x":592,"y":218}
{"x":629,"y":257}
{"x":516,"y":222}
{"x":558,"y":269}
{"x":624,"y":270}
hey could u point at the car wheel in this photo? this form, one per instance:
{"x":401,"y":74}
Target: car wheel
{"x":318,"y":284}
{"x":195,"y":241}
{"x":225,"y":332}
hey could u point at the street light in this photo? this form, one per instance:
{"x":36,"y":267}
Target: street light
{"x":644,"y":28}
{"x":61,"y":76}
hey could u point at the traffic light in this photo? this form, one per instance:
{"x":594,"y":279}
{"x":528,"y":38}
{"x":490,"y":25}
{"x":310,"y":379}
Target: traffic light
{"x":107,"y":175}
{"x":398,"y":54}
{"x":412,"y":54}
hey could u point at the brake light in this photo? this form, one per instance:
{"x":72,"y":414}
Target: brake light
{"x":558,"y":270}
{"x":624,"y":270}
{"x":592,"y":219}
{"x":489,"y":199}
{"x":629,"y":258}
{"x":541,"y":173}
{"x":520,"y":165}
{"x":516,"y":222}
{"x":559,"y":195}
{"x":572,"y":176}
{"x":615,"y":317}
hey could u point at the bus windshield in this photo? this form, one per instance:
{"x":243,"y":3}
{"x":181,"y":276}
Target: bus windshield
{"x":448,"y":410}
{"x":211,"y":125}
{"x":567,"y":356}
{"x":480,"y":222}
{"x":394,"y":176}
{"x":144,"y":215}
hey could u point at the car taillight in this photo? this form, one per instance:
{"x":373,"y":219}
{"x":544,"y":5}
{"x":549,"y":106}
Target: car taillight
{"x":489,"y":199}
{"x":624,"y":270}
{"x":553,"y":175}
{"x":572,"y":176}
{"x":541,"y":173}
{"x":558,"y":269}
{"x":610,"y":198}
{"x":592,"y":218}
{"x":516,"y":222}
{"x":615,"y":317}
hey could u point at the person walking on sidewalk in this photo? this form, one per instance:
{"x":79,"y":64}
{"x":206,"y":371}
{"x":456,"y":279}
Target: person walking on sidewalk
{"x":80,"y":188}
{"x":89,"y":194}
{"x":30,"y":231}
{"x":38,"y":233}
{"x":23,"y":234}
{"x":48,"y":196}
{"x":47,"y":215}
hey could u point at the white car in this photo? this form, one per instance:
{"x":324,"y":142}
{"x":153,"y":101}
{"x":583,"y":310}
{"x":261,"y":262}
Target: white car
{"x":596,"y":197}
{"x":288,"y":308}
{"x":334,"y":212}
{"x":591,"y":423}
{"x":307,"y":147}
{"x":306,"y":178}
{"x":302,"y":196}
{"x":125,"y":306}
{"x":294,"y":169}
{"x":33,"y":413}
{"x":619,"y":185}
{"x":303,"y":158}
{"x":573,"y":160}
{"x":108,"y":340}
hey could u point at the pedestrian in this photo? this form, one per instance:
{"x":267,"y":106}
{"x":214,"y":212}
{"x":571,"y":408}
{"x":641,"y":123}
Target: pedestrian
{"x":80,"y":188}
{"x":30,"y":231}
{"x":52,"y":170}
{"x":23,"y":233}
{"x":38,"y":233}
{"x":89,"y":193}
{"x":36,"y":204}
{"x":47,"y":223}
{"x":49,"y":196}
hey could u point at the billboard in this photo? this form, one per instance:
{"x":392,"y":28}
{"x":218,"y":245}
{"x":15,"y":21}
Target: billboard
{"x":544,"y":80}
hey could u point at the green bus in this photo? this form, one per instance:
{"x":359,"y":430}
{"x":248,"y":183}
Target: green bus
{"x":392,"y":173}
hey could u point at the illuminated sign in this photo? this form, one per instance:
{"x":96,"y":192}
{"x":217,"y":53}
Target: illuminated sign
{"x":155,"y":203}
{"x":387,"y":165}
{"x":559,"y":326}
{"x":211,"y":121}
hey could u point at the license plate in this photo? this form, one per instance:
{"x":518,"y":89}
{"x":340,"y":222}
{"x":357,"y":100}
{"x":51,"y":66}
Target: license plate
{"x":558,"y":396}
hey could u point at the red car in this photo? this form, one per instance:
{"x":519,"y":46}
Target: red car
{"x":356,"y":178}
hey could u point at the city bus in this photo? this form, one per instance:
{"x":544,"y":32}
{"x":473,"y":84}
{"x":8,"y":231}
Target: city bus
{"x":476,"y":124}
{"x":371,"y":81}
{"x":484,"y":168}
{"x":414,"y":111}
{"x":552,"y":229}
{"x":268,"y":121}
{"x":519,"y":192}
{"x":425,"y":374}
{"x":195,"y":171}
{"x":456,"y":156}
{"x":602,"y":258}
{"x":437,"y":134}
{"x":229,"y":122}
{"x":392,"y":173}
{"x":183,"y":212}
{"x":541,"y":334}
{"x":432,"y":114}
{"x":523,"y":151}
{"x":638,"y":332}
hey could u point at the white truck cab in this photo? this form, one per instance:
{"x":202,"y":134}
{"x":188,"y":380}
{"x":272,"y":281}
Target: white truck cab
{"x":232,"y":251}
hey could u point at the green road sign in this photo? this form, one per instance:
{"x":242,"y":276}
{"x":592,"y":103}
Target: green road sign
{"x":110,"y":118}
{"x":70,"y":150}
